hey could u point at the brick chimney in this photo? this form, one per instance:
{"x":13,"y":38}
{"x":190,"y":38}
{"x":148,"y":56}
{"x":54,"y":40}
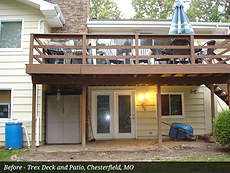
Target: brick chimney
{"x":75,"y":13}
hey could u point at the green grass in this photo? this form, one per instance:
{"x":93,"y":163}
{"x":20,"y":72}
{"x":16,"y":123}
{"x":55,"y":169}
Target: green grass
{"x":223,"y":157}
{"x":5,"y":155}
{"x":189,"y":164}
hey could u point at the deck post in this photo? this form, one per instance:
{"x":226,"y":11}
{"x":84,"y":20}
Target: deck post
{"x":192,"y":49}
{"x":84,"y":49}
{"x":83,"y":119}
{"x":228,"y":88}
{"x":159,"y":112}
{"x":136,"y":49}
{"x":31,"y":48}
{"x":212,"y":103}
{"x":33,"y":146}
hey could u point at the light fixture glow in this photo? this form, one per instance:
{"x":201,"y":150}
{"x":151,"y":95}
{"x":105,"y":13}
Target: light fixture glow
{"x":107,"y":117}
{"x":147,"y":95}
{"x":141,"y":97}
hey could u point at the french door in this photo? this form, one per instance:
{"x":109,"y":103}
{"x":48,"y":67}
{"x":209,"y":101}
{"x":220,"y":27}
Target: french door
{"x":113,"y":114}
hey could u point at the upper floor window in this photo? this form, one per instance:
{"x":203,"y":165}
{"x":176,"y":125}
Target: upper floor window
{"x":10,"y":34}
{"x":5,"y":104}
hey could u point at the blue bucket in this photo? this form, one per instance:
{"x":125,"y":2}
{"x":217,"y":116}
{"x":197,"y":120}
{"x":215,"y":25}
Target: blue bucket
{"x":13,"y":136}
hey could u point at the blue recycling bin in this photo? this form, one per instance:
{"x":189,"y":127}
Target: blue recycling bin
{"x":13,"y":136}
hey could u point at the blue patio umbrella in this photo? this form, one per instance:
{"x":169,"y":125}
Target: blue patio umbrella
{"x":180,"y":23}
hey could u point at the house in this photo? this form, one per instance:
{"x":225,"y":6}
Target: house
{"x":78,"y":68}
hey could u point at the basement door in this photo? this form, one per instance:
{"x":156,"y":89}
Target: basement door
{"x":113,"y":114}
{"x":63,"y":119}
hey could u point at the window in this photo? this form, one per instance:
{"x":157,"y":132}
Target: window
{"x":10,"y":34}
{"x":172,"y":105}
{"x":5,"y":104}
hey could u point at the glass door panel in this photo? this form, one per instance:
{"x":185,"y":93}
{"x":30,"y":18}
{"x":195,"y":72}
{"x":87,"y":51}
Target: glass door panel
{"x":103,"y":114}
{"x":124,"y":113}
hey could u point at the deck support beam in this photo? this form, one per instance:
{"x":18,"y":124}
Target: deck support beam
{"x":212,"y":103}
{"x":83,"y":118}
{"x":33,"y":146}
{"x":159,"y":112}
{"x":228,"y":88}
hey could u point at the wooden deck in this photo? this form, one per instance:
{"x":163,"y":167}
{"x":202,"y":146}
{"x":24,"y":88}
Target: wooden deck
{"x":209,"y":65}
{"x":199,"y":62}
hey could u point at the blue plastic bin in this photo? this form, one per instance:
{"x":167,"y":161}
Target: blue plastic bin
{"x":174,"y":132}
{"x":13,"y":136}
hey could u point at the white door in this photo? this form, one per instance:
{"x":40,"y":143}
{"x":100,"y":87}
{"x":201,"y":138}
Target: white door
{"x":113,"y":114}
{"x":63,"y":120}
{"x":124,"y":115}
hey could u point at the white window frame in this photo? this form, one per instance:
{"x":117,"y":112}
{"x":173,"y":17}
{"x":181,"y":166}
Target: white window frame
{"x":183,"y":107}
{"x":11,"y":105}
{"x":22,"y":33}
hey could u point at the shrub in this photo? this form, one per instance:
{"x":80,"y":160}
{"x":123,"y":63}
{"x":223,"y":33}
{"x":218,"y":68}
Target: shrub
{"x":221,"y":128}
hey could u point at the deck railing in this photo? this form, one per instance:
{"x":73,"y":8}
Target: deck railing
{"x":148,"y":49}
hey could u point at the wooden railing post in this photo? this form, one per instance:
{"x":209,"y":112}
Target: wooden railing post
{"x":84,"y":49}
{"x":192,"y":50}
{"x":136,"y":49}
{"x":31,"y":48}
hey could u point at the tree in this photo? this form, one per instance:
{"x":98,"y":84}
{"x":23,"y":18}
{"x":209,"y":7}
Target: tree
{"x":104,"y":9}
{"x":154,"y":9}
{"x":205,"y":10}
{"x":225,"y":4}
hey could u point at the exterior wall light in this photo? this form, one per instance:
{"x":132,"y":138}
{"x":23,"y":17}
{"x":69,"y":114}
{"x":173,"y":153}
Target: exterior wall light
{"x":147,"y":95}
{"x":141,"y":97}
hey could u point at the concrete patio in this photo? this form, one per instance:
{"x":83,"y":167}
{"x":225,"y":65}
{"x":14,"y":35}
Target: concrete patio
{"x":119,"y":145}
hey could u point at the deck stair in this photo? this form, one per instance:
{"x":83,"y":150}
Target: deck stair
{"x":221,"y":91}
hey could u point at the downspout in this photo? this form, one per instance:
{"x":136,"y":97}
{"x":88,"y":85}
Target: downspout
{"x":215,"y":29}
{"x":48,"y":18}
{"x":24,"y":127}
{"x":27,"y":137}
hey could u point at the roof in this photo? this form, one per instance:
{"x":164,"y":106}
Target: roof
{"x":150,"y":26}
{"x":49,"y":10}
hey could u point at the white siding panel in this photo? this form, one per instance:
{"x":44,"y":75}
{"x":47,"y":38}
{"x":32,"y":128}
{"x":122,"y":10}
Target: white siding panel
{"x":147,"y":123}
{"x":19,"y":72}
{"x":12,"y":63}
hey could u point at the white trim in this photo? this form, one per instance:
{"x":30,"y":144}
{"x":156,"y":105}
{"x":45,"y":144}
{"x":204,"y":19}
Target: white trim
{"x":95,"y":26}
{"x":22,"y":34}
{"x":11,"y":105}
{"x":48,"y":9}
{"x":143,"y":23}
{"x":183,"y":107}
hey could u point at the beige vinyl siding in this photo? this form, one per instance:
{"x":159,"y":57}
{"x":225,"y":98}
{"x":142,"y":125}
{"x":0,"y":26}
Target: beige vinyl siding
{"x":12,"y":63}
{"x":146,"y":119}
